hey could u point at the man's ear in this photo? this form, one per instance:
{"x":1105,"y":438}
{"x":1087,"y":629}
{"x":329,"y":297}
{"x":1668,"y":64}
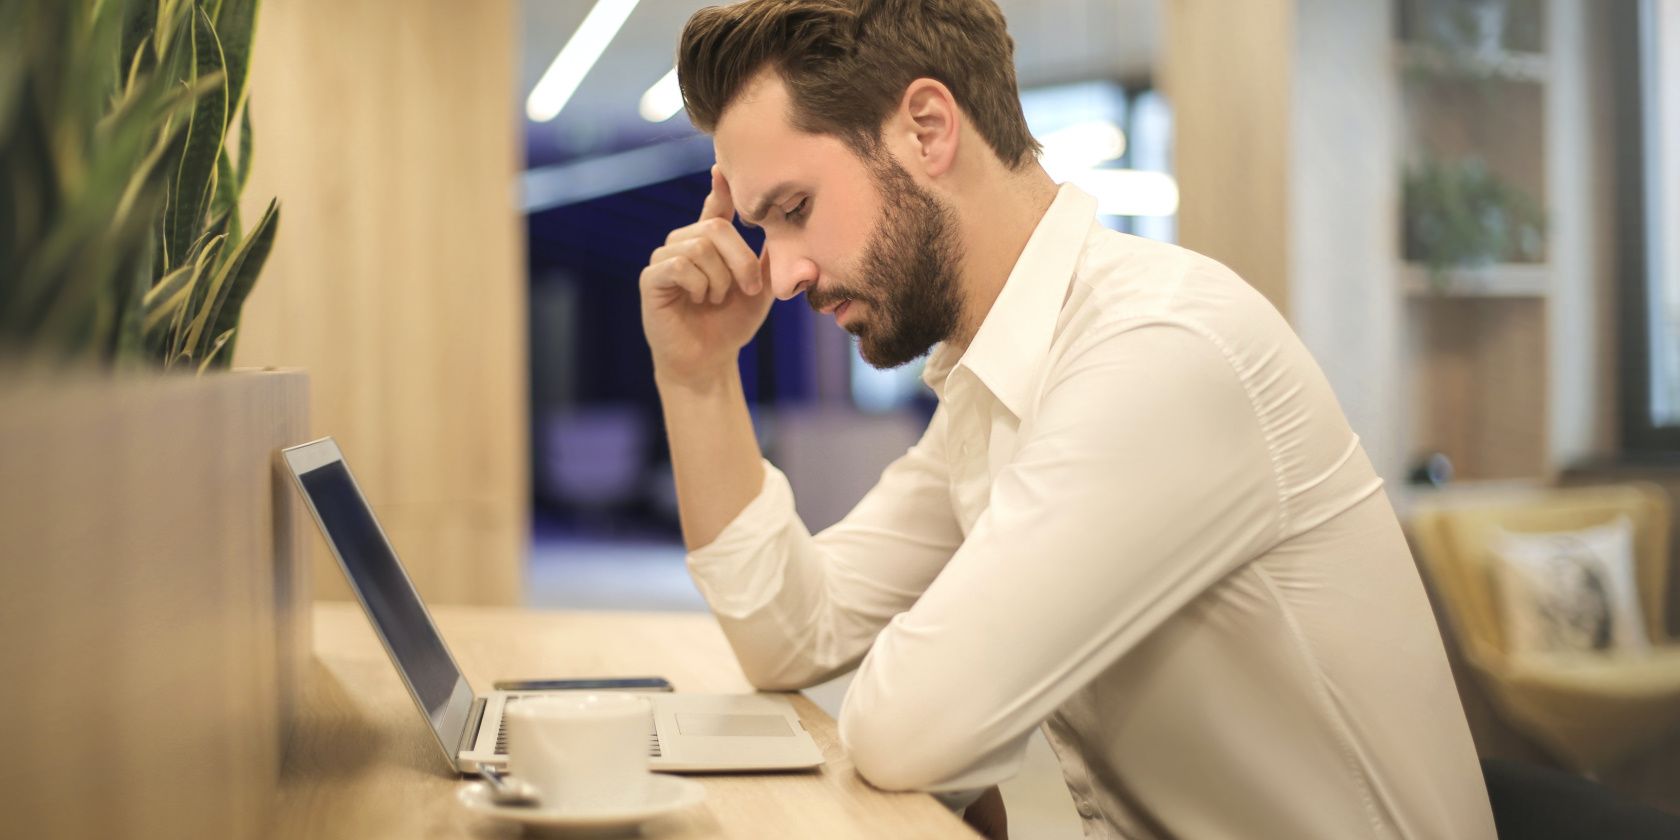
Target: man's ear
{"x":930,"y":124}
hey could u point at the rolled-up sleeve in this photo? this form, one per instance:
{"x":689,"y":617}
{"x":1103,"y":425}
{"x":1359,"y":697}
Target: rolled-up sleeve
{"x":1145,"y":479}
{"x":799,"y":608}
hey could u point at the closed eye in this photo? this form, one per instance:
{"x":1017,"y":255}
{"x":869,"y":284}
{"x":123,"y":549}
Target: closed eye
{"x":798,"y":209}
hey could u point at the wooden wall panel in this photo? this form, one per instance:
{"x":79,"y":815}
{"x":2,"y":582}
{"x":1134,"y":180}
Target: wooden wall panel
{"x":1479,"y":384}
{"x":1226,"y":68}
{"x":153,"y":637}
{"x":388,"y":128}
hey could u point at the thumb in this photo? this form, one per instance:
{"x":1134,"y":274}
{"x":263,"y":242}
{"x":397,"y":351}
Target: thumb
{"x":719,"y":203}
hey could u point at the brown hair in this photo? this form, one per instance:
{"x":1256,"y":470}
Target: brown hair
{"x":847,"y":62}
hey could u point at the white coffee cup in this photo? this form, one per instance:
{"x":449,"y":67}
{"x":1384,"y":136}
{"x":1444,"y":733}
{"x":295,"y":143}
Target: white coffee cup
{"x":582,"y":751}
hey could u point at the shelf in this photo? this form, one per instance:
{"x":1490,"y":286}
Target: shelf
{"x":1503,"y":280}
{"x":1504,"y":64}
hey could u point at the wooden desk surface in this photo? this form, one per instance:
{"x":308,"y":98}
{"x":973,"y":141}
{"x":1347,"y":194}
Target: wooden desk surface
{"x":363,"y":765}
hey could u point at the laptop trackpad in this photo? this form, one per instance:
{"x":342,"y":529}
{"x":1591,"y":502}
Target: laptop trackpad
{"x":753,"y":725}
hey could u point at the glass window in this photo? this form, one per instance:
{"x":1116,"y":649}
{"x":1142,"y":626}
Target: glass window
{"x":1648,"y":84}
{"x":1661,"y":96}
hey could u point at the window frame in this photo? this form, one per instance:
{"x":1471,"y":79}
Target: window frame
{"x":1631,"y":27}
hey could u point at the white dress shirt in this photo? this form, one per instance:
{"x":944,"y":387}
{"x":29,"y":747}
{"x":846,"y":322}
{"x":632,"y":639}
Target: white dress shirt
{"x":1138,"y":519}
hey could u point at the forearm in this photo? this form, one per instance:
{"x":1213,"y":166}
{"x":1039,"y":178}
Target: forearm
{"x":796,"y":607}
{"x":714,"y":454}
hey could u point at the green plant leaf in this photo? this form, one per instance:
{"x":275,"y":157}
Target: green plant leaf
{"x":130,"y":349}
{"x":165,"y":298}
{"x":194,"y":179}
{"x":245,"y":140}
{"x":171,"y":294}
{"x":241,"y":272}
{"x":171,"y":15}
{"x":116,"y":166}
{"x":174,"y":52}
{"x":227,"y":187}
{"x":1458,"y":213}
{"x":215,"y":349}
{"x":140,"y":20}
{"x":12,"y":65}
{"x":137,"y":66}
{"x":150,"y":112}
{"x":66,"y":256}
{"x":218,"y":227}
{"x":207,"y":298}
{"x":98,"y":210}
{"x":174,"y":338}
{"x":175,"y":65}
{"x":236,"y":22}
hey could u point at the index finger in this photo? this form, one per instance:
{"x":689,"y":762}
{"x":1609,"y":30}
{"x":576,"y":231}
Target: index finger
{"x":719,"y":203}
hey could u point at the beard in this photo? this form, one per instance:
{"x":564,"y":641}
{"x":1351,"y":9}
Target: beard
{"x":907,"y":277}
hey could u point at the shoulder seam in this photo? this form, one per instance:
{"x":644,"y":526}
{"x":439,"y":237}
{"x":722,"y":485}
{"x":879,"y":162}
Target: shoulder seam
{"x":1267,"y":432}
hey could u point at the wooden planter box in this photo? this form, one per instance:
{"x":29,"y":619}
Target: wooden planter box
{"x":154,"y":619}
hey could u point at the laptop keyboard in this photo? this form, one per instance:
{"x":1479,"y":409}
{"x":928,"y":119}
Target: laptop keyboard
{"x":502,"y":735}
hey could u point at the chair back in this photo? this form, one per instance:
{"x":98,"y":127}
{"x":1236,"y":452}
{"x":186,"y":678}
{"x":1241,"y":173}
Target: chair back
{"x":1454,"y":541}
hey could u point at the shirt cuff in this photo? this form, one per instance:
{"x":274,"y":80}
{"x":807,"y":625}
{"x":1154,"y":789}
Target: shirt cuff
{"x":735,"y":572}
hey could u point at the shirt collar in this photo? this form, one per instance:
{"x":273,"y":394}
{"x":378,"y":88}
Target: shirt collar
{"x":1008,"y":352}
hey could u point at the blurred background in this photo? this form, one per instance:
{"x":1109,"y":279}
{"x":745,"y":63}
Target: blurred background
{"x":1460,"y":205}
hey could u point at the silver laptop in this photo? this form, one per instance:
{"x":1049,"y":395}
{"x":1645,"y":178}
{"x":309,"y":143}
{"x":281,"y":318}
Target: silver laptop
{"x":688,"y":732}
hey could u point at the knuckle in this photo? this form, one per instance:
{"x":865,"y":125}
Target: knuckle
{"x":666,"y":271}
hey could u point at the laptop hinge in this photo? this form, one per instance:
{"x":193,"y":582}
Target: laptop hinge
{"x":469,"y":733}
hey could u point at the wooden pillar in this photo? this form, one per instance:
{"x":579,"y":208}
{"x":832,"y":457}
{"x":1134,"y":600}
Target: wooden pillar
{"x":1226,"y":70}
{"x":1285,"y":154}
{"x":389,"y":131}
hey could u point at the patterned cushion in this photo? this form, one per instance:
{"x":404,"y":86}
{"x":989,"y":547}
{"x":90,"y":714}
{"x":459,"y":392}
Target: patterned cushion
{"x":1570,"y":590}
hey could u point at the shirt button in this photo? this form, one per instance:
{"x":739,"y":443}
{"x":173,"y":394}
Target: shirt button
{"x":1085,"y":809}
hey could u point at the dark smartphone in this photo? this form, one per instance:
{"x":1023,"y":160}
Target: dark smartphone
{"x":588,"y":684}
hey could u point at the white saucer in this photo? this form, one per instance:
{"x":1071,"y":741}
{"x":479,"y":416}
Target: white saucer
{"x":662,"y":795}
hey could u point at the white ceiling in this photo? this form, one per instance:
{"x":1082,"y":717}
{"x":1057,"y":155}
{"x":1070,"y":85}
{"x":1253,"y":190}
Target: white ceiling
{"x":1055,"y":40}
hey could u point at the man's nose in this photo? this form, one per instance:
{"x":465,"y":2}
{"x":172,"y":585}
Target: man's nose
{"x":791,"y":276}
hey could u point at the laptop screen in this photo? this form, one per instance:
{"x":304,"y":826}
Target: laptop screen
{"x":384,"y":589}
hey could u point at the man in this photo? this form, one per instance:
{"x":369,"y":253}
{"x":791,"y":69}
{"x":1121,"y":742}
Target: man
{"x":1137,"y":518}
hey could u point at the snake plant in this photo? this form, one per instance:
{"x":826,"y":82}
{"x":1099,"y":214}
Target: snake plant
{"x":121,"y":242}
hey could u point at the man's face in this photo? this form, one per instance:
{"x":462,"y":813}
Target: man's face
{"x":858,"y":236}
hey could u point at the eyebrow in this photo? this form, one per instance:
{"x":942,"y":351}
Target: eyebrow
{"x":752,"y":219}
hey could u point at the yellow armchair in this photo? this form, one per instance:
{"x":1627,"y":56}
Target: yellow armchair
{"x":1589,"y":710}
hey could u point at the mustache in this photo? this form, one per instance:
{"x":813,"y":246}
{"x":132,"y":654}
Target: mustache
{"x":821,"y":299}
